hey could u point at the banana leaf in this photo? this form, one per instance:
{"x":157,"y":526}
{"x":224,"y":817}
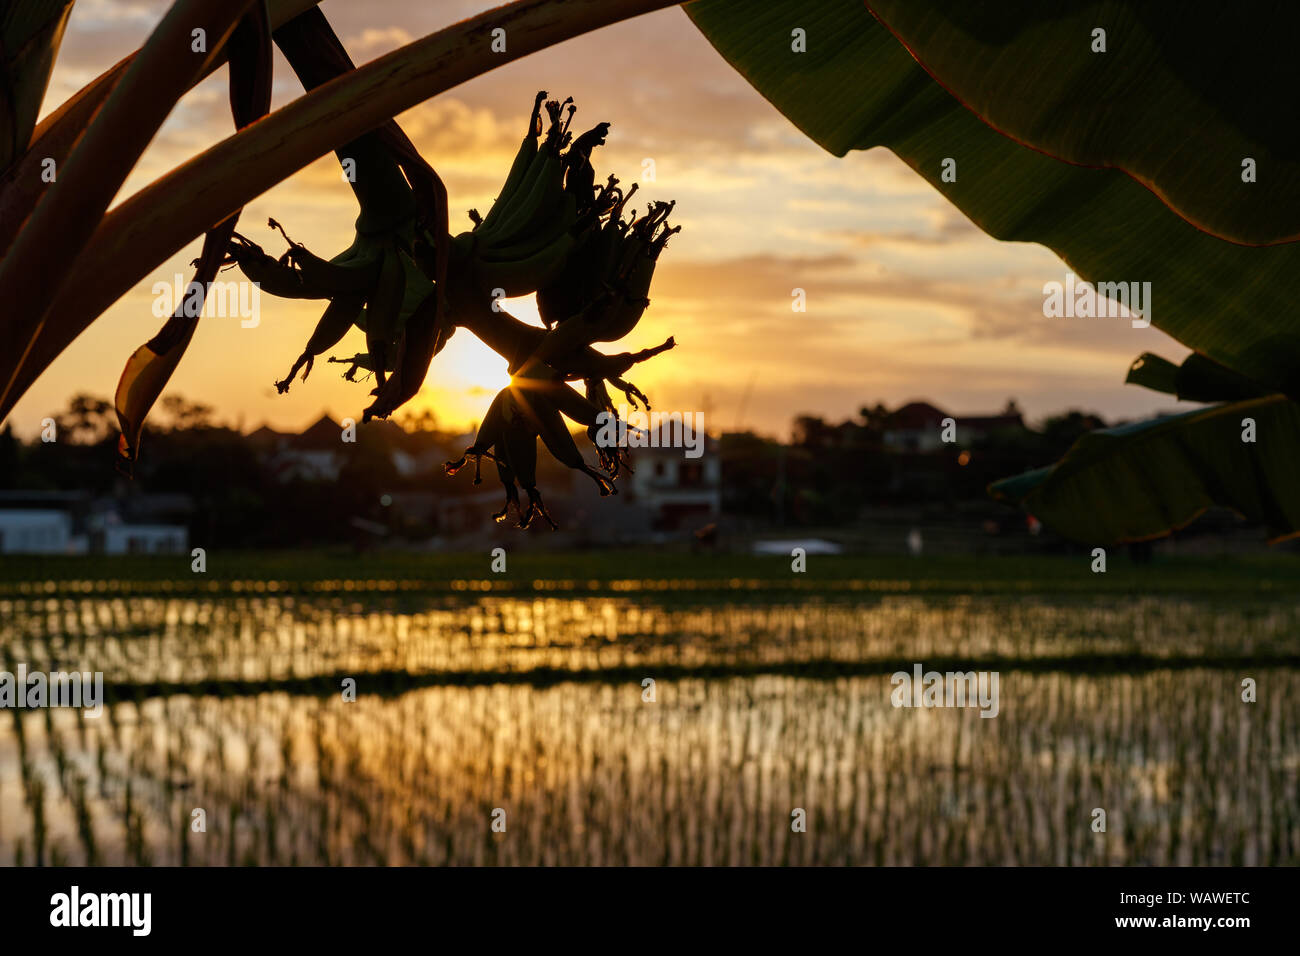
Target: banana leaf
{"x":1141,"y":481}
{"x":56,"y":135}
{"x":30,"y":34}
{"x":1198,"y":379}
{"x":857,"y":87}
{"x":1184,"y":91}
{"x":151,"y":366}
{"x":31,"y":277}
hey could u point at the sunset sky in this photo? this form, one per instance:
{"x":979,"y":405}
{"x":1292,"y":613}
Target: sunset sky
{"x":906,"y":299}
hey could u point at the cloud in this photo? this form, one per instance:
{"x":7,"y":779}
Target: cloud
{"x":372,"y":42}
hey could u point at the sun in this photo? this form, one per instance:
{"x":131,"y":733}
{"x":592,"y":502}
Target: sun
{"x":474,"y":364}
{"x":468,"y":363}
{"x":466,"y":375}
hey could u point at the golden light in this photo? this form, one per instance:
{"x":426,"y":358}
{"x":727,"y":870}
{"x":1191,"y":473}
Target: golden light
{"x":473,"y":363}
{"x":468,"y":363}
{"x":963,"y":459}
{"x":466,"y":374}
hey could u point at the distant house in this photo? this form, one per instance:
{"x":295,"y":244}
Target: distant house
{"x":680,"y":493}
{"x":145,"y":523}
{"x":266,"y":439}
{"x":53,"y":522}
{"x":917,"y":427}
{"x":416,"y":453}
{"x":972,"y":429}
{"x":319,"y":452}
{"x":39,"y":531}
{"x":144,"y":539}
{"x":313,"y":455}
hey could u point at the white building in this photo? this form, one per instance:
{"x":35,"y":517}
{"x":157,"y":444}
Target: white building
{"x":145,"y":539}
{"x":38,"y":531}
{"x":679,"y":492}
{"x":44,"y":522}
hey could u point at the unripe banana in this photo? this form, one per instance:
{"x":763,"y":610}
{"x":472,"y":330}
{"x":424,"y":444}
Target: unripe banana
{"x":334,"y":323}
{"x":384,"y":309}
{"x":631,"y":251}
{"x":618,"y":319}
{"x":525,"y":276}
{"x":621,"y":312}
{"x":566,"y":295}
{"x":339,"y":316}
{"x":532,"y":210}
{"x":518,"y":169}
{"x":337,"y":276}
{"x":274,"y":276}
{"x":572,"y":403}
{"x":416,"y":289}
{"x":507,"y":206}
{"x":611,"y":249}
{"x":555,"y":435}
{"x":501,"y":211}
{"x":635,"y":282}
{"x":584,"y":276}
{"x":425,"y":333}
{"x":564,"y":220}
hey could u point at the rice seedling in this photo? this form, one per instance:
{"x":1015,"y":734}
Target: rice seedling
{"x":535,"y":707}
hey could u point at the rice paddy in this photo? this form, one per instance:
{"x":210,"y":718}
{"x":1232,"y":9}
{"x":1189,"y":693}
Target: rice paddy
{"x":770,"y":737}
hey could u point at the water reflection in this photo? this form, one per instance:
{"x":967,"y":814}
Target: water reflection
{"x":534,"y":706}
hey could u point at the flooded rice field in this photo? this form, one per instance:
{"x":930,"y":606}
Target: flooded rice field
{"x":391,"y":728}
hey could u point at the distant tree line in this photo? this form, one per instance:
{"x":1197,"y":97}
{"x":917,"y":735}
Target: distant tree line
{"x":827,"y":475}
{"x":831,"y":472}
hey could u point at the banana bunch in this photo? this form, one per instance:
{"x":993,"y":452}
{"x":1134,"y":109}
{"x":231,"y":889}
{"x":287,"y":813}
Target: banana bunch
{"x":604,"y":285}
{"x":380,"y":281}
{"x":375,"y":284}
{"x":552,"y":231}
{"x":600,"y":297}
{"x":407,"y":285}
{"x":509,"y":433}
{"x":546,"y":205}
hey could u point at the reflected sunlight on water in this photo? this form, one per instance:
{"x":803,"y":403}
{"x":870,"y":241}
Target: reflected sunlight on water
{"x":534,"y":705}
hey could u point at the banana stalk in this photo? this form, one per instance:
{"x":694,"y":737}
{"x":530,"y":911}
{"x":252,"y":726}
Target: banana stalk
{"x":150,"y":367}
{"x":31,"y":280}
{"x":391,"y":273}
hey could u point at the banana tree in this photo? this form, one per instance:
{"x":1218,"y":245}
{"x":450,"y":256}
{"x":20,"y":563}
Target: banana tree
{"x":405,"y":281}
{"x":1138,"y":481}
{"x":1126,"y":153}
{"x":1025,"y":127}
